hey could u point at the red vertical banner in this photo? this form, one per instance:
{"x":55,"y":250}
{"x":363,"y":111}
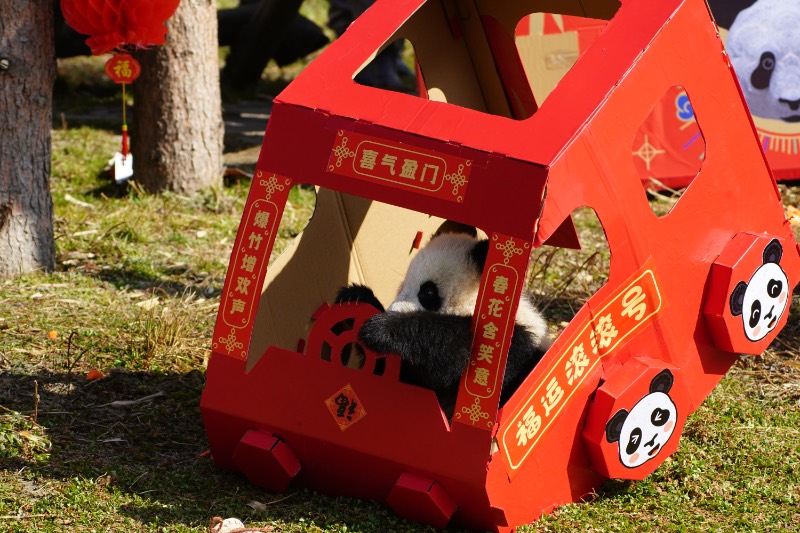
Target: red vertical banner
{"x":492,"y":328}
{"x":248,"y":265}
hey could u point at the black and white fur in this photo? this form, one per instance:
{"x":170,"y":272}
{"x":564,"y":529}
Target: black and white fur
{"x":429,"y":323}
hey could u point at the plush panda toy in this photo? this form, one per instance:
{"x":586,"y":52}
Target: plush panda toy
{"x":429,"y":323}
{"x":764,"y":47}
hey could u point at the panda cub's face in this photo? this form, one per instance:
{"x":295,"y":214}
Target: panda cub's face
{"x":443,"y":277}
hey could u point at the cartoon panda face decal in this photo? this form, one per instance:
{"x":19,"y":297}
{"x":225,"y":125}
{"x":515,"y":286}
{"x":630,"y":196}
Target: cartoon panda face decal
{"x":643,"y":432}
{"x":762,"y":300}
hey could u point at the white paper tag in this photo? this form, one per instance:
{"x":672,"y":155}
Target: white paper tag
{"x":123,"y":167}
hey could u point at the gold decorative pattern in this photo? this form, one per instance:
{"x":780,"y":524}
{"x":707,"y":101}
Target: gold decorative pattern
{"x":230,"y":341}
{"x":341,"y":152}
{"x":648,"y":152}
{"x":509,"y":249}
{"x":458,"y":179}
{"x":271,"y":185}
{"x":475,"y":412}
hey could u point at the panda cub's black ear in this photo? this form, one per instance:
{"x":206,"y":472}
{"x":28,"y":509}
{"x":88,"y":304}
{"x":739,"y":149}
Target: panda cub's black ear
{"x":479,"y":253}
{"x":614,"y":426}
{"x":662,"y":382}
{"x":737,"y":298}
{"x":451,"y":226}
{"x":773,"y":252}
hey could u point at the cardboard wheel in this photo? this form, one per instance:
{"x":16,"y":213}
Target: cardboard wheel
{"x":749,"y":292}
{"x":636,"y":418}
{"x":421,"y":499}
{"x":266,"y":460}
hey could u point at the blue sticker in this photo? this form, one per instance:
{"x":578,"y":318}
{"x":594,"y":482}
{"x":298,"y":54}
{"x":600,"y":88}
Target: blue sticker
{"x":685,"y":111}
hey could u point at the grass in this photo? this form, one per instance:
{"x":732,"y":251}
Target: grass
{"x":135,"y":296}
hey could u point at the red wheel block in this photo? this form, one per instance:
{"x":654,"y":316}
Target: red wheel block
{"x":421,"y":499}
{"x":267,"y":461}
{"x":636,"y":418}
{"x":749,"y":292}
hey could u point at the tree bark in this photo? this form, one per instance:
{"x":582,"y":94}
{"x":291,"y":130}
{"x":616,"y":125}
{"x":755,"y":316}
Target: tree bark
{"x":177,"y":131}
{"x":27,"y":73}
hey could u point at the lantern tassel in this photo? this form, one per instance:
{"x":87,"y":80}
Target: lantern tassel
{"x":124,"y":142}
{"x":124,"y":125}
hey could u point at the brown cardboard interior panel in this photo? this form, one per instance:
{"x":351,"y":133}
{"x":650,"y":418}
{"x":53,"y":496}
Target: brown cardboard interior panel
{"x":547,"y":58}
{"x":480,"y":52}
{"x":444,"y":58}
{"x":455,"y":55}
{"x":348,"y":240}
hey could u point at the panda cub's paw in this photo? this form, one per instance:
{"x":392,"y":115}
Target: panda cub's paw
{"x":358,"y":294}
{"x":375,"y":334}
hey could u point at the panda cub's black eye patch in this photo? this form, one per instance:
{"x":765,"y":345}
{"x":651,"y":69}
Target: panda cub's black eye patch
{"x":763,"y":72}
{"x":429,"y":297}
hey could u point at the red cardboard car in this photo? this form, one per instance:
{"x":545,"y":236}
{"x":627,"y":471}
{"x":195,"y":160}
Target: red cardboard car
{"x":611,"y":396}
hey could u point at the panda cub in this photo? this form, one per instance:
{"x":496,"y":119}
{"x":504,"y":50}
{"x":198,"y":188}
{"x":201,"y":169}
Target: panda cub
{"x":429,"y":323}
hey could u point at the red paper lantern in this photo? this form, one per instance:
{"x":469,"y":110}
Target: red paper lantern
{"x":113,"y":24}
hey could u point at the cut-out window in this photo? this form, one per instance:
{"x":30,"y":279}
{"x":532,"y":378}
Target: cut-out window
{"x":343,"y":326}
{"x":550,"y":44}
{"x":487,"y":62}
{"x":561,"y":281}
{"x":668,"y":149}
{"x":392,"y":69}
{"x":297,"y":214}
{"x":353,"y":356}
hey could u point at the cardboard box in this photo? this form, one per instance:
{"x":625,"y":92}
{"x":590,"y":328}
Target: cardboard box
{"x":283,"y":407}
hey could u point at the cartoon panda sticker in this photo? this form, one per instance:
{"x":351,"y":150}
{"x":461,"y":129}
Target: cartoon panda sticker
{"x":643,"y":432}
{"x":762,"y":300}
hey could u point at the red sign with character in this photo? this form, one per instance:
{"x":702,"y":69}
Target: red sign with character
{"x":628,"y":311}
{"x":400,"y":166}
{"x":493,"y":328}
{"x":123,"y":68}
{"x":249,"y":263}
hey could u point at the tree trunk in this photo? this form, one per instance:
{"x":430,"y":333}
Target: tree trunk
{"x":27,"y":73}
{"x":176,"y":135}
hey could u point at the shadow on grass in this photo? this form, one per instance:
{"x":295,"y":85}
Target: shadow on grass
{"x":152,"y":449}
{"x":109,"y":189}
{"x":151,"y":455}
{"x":130,"y":278}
